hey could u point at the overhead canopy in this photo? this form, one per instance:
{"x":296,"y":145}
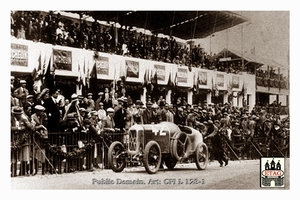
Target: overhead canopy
{"x":259,"y":61}
{"x":182,"y":24}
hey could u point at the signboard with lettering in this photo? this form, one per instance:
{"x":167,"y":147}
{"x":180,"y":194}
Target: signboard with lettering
{"x":235,"y":81}
{"x":220,"y":80}
{"x":19,"y":55}
{"x":182,"y":75}
{"x":161,"y":71}
{"x":132,"y":69}
{"x":62,"y":59}
{"x":202,"y":78}
{"x":102,"y":65}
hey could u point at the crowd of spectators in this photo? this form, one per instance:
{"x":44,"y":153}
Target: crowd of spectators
{"x":58,"y":30}
{"x":49,"y":111}
{"x":271,"y":78}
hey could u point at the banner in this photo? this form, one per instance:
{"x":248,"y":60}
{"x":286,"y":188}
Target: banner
{"x":235,"y":81}
{"x":102,"y":65}
{"x":161,"y":72}
{"x":62,"y":59}
{"x":202,"y":78}
{"x":220,"y":80}
{"x":19,"y":55}
{"x":182,"y":75}
{"x":132,"y":68}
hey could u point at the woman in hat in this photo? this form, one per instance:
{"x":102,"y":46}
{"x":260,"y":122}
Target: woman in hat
{"x":90,"y":102}
{"x":40,"y":119}
{"x":21,"y":129}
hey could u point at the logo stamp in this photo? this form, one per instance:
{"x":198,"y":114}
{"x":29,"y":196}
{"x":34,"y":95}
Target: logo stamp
{"x":272,"y":172}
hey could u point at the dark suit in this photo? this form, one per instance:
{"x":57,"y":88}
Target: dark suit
{"x":147,"y":116}
{"x":53,"y":114}
{"x":120,"y":118}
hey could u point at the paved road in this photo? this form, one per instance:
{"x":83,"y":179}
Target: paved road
{"x":237,"y":175}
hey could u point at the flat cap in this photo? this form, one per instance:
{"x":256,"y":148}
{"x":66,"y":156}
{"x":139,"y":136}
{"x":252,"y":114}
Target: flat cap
{"x":39,"y":107}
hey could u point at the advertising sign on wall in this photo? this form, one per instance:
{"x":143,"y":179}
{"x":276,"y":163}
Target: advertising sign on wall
{"x":19,"y":55}
{"x":182,"y":75}
{"x":202,"y":78}
{"x":220,"y":80}
{"x":62,"y":59}
{"x":161,"y":71}
{"x":132,"y":69}
{"x":235,"y":81}
{"x":102,"y":65}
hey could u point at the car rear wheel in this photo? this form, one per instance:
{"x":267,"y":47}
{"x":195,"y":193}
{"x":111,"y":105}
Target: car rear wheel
{"x":116,"y":157}
{"x":152,"y":157}
{"x":201,"y":156}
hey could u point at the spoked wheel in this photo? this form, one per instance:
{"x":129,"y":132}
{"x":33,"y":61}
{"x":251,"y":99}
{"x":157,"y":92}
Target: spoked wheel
{"x":152,"y":157}
{"x":180,"y":145}
{"x":116,"y":157}
{"x":170,"y":162}
{"x":201,"y":156}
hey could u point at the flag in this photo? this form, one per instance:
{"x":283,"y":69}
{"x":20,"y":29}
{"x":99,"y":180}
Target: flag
{"x":93,"y":78}
{"x":146,"y":77}
{"x":87,"y":77}
{"x":154,"y":80}
{"x":195,"y":84}
{"x":49,"y":77}
{"x":215,"y":90}
{"x":79,"y":78}
{"x":123,"y":73}
{"x":170,"y":82}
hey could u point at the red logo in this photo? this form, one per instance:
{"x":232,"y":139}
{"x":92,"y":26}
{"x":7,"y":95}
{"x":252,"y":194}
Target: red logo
{"x":272,"y":173}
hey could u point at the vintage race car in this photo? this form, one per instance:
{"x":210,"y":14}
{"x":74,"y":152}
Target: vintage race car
{"x":154,"y":144}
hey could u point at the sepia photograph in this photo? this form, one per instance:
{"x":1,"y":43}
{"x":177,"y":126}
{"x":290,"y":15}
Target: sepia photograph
{"x":149,"y":99}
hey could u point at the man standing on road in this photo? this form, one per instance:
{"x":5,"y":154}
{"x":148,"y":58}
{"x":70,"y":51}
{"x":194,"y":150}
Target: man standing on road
{"x":215,"y":134}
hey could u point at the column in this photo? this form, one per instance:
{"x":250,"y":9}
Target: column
{"x":168,"y":96}
{"x":79,"y":90}
{"x":234,"y":99}
{"x":143,"y":96}
{"x":208,"y":98}
{"x":190,"y":97}
{"x":225,"y":98}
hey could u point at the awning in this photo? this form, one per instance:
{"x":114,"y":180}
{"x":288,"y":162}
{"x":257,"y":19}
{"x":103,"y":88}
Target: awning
{"x":182,"y":24}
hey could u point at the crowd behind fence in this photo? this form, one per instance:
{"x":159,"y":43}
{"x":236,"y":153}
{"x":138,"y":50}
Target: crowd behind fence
{"x":79,"y":138}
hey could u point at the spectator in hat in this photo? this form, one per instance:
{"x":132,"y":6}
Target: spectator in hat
{"x":90,"y":102}
{"x":169,"y":113}
{"x":137,"y":112}
{"x":98,"y":100}
{"x":82,"y":103}
{"x":53,"y":113}
{"x":21,"y":127}
{"x":41,"y":133}
{"x":101,"y":111}
{"x":179,"y":117}
{"x":147,"y":113}
{"x":204,"y":116}
{"x":120,"y":115}
{"x":30,"y":102}
{"x":156,"y":117}
{"x":22,"y":93}
{"x":12,"y":83}
{"x":15,"y":102}
{"x":108,"y":120}
{"x":109,"y":102}
{"x":162,"y":110}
